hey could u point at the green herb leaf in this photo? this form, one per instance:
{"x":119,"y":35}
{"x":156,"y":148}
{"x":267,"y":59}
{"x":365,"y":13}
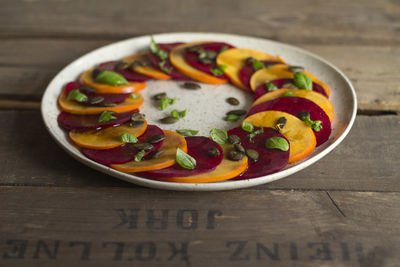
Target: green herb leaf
{"x":135,"y":96}
{"x":269,"y":66}
{"x":315,"y":125}
{"x":257,"y":64}
{"x":128,"y":138}
{"x":111,"y":78}
{"x":288,"y":94}
{"x":277,"y":143}
{"x":184,"y":160}
{"x":224,"y":48}
{"x":255,"y":133}
{"x":77,"y":96}
{"x":219,"y":136}
{"x":187,"y":132}
{"x":303,"y":81}
{"x":106,"y":116}
{"x":165,"y":69}
{"x":178,"y":114}
{"x":155,"y":49}
{"x":232,"y":117}
{"x":202,"y":55}
{"x":219,"y":70}
{"x":270,"y":86}
{"x":247,"y":126}
{"x":166,"y":101}
{"x":138,"y":157}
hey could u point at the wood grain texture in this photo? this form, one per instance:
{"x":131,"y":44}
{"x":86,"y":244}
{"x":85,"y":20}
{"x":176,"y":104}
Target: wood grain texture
{"x":334,"y":22}
{"x":135,"y":226}
{"x":30,"y":157}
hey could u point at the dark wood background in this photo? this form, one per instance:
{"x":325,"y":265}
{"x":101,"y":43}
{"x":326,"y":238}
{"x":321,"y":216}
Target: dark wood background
{"x":342,"y":211}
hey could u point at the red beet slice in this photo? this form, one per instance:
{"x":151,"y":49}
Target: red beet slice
{"x":125,"y":153}
{"x":269,"y":161}
{"x":192,"y":58}
{"x":89,"y":122}
{"x":175,"y":74}
{"x":128,"y":74}
{"x":262,"y":89}
{"x":197,"y":148}
{"x":294,"y":105}
{"x":247,"y":70}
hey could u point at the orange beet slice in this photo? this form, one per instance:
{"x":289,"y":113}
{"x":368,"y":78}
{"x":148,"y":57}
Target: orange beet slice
{"x":235,"y":60}
{"x":73,"y":107}
{"x":177,"y":58}
{"x":227,"y":169}
{"x":301,"y":137}
{"x":105,"y":138}
{"x":317,"y":98}
{"x":147,"y":68}
{"x":171,"y":143}
{"x":86,"y":79}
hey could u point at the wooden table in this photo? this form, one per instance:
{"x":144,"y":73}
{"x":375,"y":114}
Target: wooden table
{"x":342,"y":211}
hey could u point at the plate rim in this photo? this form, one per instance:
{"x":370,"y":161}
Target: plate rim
{"x":217,"y":186}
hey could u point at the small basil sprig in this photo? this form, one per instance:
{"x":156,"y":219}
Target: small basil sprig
{"x":184,"y":160}
{"x":277,"y":143}
{"x":288,"y":94}
{"x":77,"y":96}
{"x":270,"y":86}
{"x":164,"y":68}
{"x":155,"y":49}
{"x":219,"y":70}
{"x":255,"y":133}
{"x":257,"y":64}
{"x":138,"y":157}
{"x":187,"y":132}
{"x":302,"y":81}
{"x":219,"y":136}
{"x":128,"y":138}
{"x":106,"y":116}
{"x":315,"y":125}
{"x":166,"y":101}
{"x":111,"y":78}
{"x":178,"y":114}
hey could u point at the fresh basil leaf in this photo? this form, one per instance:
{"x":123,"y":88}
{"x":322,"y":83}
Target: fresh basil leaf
{"x":270,"y":86}
{"x":135,"y":96}
{"x":202,"y":55}
{"x":288,"y":94}
{"x":219,"y":136}
{"x":138,"y":157}
{"x":111,"y":78}
{"x":128,"y":138}
{"x":257,"y":64}
{"x":232,"y":117}
{"x":247,"y":126}
{"x":184,"y":160}
{"x":155,"y":49}
{"x":178,"y":114}
{"x":106,"y":116}
{"x":166,"y":101}
{"x":187,"y":132}
{"x":269,"y":66}
{"x":77,"y":96}
{"x":277,"y":143}
{"x":315,"y":125}
{"x":164,"y":68}
{"x":303,"y":81}
{"x":219,"y":70}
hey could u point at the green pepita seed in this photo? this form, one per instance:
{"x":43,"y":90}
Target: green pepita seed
{"x":234,"y":139}
{"x":303,"y":113}
{"x":233,"y":101}
{"x":196,"y":49}
{"x":159,"y":96}
{"x":191,"y":86}
{"x":280,"y":123}
{"x":95,"y":73}
{"x":213,"y":152}
{"x":143,"y":146}
{"x":136,"y":123}
{"x":155,"y":154}
{"x":137,"y":116}
{"x":239,"y":148}
{"x":96,"y":100}
{"x":122,"y":65}
{"x":252,"y":154}
{"x":249,"y":59}
{"x":109,"y":104}
{"x":289,"y":86}
{"x":234,"y":155}
{"x":205,"y":60}
{"x":295,"y":69}
{"x":237,"y":112}
{"x":169,"y":120}
{"x":156,"y":138}
{"x":87,"y":89}
{"x":137,"y":63}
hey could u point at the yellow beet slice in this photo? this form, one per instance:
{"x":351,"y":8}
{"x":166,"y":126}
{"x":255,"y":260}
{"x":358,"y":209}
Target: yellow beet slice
{"x":171,"y":143}
{"x":86,"y":79}
{"x":235,"y":58}
{"x":227,"y":169}
{"x":177,"y":58}
{"x":74,"y":107}
{"x":279,"y":72}
{"x":147,"y":70}
{"x":301,"y":137}
{"x":105,"y":138}
{"x":315,"y":97}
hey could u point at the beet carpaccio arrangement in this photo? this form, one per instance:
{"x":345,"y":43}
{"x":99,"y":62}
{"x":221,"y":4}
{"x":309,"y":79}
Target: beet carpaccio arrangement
{"x":290,"y":116}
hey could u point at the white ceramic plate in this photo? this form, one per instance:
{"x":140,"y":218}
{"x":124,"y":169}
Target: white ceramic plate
{"x":206,"y":107}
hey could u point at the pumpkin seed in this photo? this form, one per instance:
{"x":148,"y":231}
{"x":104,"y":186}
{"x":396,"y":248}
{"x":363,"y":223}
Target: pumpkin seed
{"x":280,"y":123}
{"x":169,"y":120}
{"x":137,"y":63}
{"x":87,"y":89}
{"x":249,"y":59}
{"x":239,"y":148}
{"x":96,"y":100}
{"x":237,"y":112}
{"x":303,"y":114}
{"x":156,"y":138}
{"x":191,"y":86}
{"x":121,"y":65}
{"x":233,"y":101}
{"x":252,"y":154}
{"x":234,"y":139}
{"x":159,"y":96}
{"x":205,"y":60}
{"x":213,"y":152}
{"x":196,"y":49}
{"x":109,"y":104}
{"x":136,"y":123}
{"x":95,"y":73}
{"x":289,"y":86}
{"x":155,"y":154}
{"x":295,"y":69}
{"x":137,"y":116}
{"x":234,"y":155}
{"x":143,"y":146}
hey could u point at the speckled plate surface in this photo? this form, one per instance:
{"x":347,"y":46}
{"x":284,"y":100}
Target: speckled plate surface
{"x":206,"y":107}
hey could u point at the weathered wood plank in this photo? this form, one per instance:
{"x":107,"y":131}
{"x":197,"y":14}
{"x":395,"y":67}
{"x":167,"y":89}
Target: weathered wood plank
{"x":30,"y":157}
{"x":125,"y":226}
{"x":372,"y":22}
{"x":25,"y":71}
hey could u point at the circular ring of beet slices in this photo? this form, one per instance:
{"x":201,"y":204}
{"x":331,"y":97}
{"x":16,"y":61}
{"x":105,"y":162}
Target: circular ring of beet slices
{"x":294,"y":105}
{"x":198,"y":147}
{"x":269,"y":161}
{"x":125,"y":153}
